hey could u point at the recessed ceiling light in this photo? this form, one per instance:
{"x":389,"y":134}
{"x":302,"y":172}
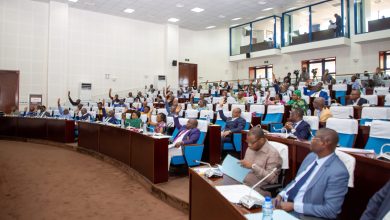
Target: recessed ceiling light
{"x":173,"y":20}
{"x":209,"y":27}
{"x":260,"y":17}
{"x":73,"y":0}
{"x":222,"y":16}
{"x":267,"y":9}
{"x":305,"y":12}
{"x":128,"y":10}
{"x":233,"y":25}
{"x":236,"y":19}
{"x":197,"y":9}
{"x":179,"y":5}
{"x":262,"y":2}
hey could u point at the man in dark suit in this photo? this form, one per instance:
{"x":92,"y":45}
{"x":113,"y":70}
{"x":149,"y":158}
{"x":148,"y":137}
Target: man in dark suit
{"x":355,"y":99}
{"x":339,"y":25}
{"x":297,"y":126}
{"x":379,"y":205}
{"x":234,"y":124}
{"x":321,"y":183}
{"x":187,"y":134}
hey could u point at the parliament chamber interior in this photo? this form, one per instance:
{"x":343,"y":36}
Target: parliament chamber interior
{"x":178,"y":109}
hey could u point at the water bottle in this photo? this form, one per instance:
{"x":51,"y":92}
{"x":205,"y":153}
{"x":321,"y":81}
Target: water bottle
{"x":309,"y":112}
{"x":267,"y":209}
{"x":144,"y":128}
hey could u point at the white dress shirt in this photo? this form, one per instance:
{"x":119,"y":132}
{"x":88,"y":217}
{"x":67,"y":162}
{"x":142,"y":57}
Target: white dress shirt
{"x":298,"y":201}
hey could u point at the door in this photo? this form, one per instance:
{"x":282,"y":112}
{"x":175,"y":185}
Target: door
{"x":9,"y":90}
{"x":188,"y":73}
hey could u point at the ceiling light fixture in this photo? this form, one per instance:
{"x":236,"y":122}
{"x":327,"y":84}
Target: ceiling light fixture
{"x":222,"y":16}
{"x":233,"y":25}
{"x":267,"y":9}
{"x":173,"y":20}
{"x":260,"y":17}
{"x":236,"y":19}
{"x":179,"y":5}
{"x":73,"y":1}
{"x":197,"y":9}
{"x":292,"y":8}
{"x":261,"y":2}
{"x":210,"y":27}
{"x":128,"y":10}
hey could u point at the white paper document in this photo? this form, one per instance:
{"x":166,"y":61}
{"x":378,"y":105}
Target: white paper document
{"x":277,"y":215}
{"x":233,"y":193}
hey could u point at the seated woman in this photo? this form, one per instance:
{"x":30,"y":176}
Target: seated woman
{"x":160,"y":125}
{"x":134,"y":121}
{"x":297,"y":102}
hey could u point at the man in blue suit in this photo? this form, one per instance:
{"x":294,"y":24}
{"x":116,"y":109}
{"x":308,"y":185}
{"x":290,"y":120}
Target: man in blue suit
{"x":319,"y":188}
{"x":187,"y":134}
{"x":297,"y":126}
{"x":234,"y":124}
{"x":111,"y":118}
{"x":316,"y":91}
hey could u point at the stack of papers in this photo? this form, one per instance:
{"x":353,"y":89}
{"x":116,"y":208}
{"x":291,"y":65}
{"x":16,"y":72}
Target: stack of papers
{"x":277,"y":215}
{"x":233,"y":193}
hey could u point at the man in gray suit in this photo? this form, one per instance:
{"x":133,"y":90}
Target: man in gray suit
{"x":319,"y":188}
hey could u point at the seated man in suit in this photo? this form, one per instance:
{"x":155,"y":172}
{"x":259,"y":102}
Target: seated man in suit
{"x":379,"y":205}
{"x":43,"y":113}
{"x":85,"y":116}
{"x":322,"y":112}
{"x":74,"y":103}
{"x":316,"y":91}
{"x":101,"y":113}
{"x":321,"y":183}
{"x":297,"y":126}
{"x":234,"y":124}
{"x":355,"y":99}
{"x":261,"y":157}
{"x":31,"y":113}
{"x":188,"y":134}
{"x":111,"y":118}
{"x":64,"y":113}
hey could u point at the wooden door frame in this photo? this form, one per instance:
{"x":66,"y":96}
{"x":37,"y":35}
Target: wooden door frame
{"x":196,"y":78}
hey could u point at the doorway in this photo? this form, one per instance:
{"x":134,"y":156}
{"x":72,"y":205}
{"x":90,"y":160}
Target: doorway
{"x":9,"y":90}
{"x":188,"y":73}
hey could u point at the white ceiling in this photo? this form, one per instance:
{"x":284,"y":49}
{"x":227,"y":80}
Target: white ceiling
{"x":217,"y":13}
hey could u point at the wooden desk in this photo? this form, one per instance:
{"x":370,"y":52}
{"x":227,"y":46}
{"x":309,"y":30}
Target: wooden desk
{"x":370,"y":176}
{"x":149,"y":156}
{"x":212,"y":145}
{"x":207,"y":203}
{"x":146,"y":154}
{"x":39,"y":128}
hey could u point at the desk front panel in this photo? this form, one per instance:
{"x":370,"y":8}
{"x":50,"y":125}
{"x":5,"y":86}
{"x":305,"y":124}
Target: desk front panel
{"x":115,"y":143}
{"x":32,"y":128}
{"x":89,"y":135}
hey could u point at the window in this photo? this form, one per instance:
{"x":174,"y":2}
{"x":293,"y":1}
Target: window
{"x":261,"y":72}
{"x":371,"y":15}
{"x":320,"y":65}
{"x":384,"y":62}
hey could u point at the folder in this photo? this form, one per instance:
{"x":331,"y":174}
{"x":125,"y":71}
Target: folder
{"x":233,"y":168}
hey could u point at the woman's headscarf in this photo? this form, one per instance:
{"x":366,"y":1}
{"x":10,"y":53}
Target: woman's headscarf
{"x":298,"y":93}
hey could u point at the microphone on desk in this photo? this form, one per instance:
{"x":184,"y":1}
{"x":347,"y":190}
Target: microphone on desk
{"x":212,"y":172}
{"x":201,"y":162}
{"x":249,"y":201}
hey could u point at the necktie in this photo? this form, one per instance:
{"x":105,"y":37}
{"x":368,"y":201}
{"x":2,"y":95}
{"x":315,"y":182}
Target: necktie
{"x":292,"y":193}
{"x":180,"y":134}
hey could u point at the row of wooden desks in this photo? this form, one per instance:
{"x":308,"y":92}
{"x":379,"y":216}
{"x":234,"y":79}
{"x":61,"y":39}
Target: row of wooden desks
{"x":38,"y":128}
{"x":144,"y":153}
{"x":370,"y":174}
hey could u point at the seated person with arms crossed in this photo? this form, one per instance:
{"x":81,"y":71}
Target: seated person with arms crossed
{"x":101,"y":113}
{"x":321,"y":183}
{"x":43,"y":113}
{"x":322,"y":112}
{"x":355,"y":99}
{"x":134,"y":121}
{"x":188,"y":134}
{"x":111,"y":118}
{"x":261,"y":157}
{"x":233,"y":124}
{"x":297,"y":126}
{"x":64,"y":113}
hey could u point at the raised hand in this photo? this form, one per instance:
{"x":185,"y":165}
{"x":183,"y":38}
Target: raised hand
{"x":178,"y":109}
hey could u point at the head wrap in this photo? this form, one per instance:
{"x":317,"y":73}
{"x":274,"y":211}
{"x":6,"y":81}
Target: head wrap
{"x":298,"y":93}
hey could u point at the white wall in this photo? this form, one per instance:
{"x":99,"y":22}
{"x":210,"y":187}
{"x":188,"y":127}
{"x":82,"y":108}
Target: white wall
{"x":210,"y":50}
{"x":24,"y":44}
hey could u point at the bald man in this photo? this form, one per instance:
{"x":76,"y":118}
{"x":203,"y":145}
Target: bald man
{"x":241,"y":99}
{"x":321,"y":183}
{"x":234,"y":124}
{"x":355,"y":99}
{"x":261,"y":157}
{"x":320,"y":110}
{"x":187,"y":134}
